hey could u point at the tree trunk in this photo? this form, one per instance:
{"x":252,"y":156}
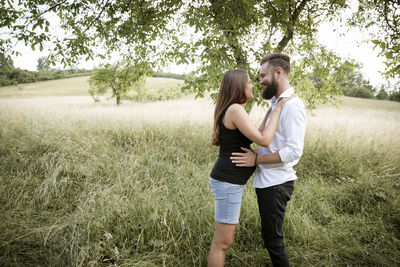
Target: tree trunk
{"x":117,"y":95}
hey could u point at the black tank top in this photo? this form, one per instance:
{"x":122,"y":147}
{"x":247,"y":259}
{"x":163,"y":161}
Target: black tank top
{"x":230,"y":141}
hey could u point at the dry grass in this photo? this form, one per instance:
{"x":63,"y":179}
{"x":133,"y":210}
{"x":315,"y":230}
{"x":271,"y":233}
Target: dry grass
{"x":364,"y":120}
{"x":83,"y":108}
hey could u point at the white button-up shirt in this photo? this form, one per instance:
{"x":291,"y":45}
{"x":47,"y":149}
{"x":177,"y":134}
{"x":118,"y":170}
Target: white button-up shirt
{"x":288,"y":140}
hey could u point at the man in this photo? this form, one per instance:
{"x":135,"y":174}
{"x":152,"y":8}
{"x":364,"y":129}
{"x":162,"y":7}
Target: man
{"x":274,"y":177}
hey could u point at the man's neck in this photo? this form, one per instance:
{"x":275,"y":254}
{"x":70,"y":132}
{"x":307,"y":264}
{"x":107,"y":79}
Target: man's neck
{"x":282,"y":88}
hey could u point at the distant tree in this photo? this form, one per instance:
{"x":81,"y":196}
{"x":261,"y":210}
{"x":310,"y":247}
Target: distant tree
{"x":395,"y":94}
{"x":382,"y":95}
{"x":121,"y":78}
{"x":352,"y":80}
{"x":42,"y":64}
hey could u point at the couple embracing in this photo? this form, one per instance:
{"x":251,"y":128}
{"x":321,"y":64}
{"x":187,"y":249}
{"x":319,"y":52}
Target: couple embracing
{"x":281,"y":139}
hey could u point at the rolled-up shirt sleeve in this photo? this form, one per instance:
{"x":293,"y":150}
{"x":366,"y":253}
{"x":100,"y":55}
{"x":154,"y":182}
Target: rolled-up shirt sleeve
{"x":294,"y":122}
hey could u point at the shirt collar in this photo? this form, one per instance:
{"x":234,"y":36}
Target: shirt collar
{"x":288,"y":92}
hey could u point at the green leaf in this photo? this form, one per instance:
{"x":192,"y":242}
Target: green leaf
{"x":389,"y":55}
{"x":376,"y":42}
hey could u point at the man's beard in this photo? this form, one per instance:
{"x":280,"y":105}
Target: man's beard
{"x":270,"y":89}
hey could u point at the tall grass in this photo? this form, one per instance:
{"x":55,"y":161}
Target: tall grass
{"x":83,"y":184}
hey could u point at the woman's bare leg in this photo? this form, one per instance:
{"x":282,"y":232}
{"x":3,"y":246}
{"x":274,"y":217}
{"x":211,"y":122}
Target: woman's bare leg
{"x":223,"y":239}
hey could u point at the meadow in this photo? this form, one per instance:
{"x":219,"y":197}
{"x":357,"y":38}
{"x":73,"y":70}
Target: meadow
{"x":79,"y":86}
{"x":91,"y":184}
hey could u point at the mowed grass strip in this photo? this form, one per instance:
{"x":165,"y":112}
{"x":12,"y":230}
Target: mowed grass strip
{"x":77,"y":86}
{"x":85,"y":184}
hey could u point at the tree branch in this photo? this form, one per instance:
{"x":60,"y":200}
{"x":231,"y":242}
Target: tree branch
{"x":290,"y":27}
{"x":385,"y":12}
{"x":97,"y":18}
{"x":53,"y":7}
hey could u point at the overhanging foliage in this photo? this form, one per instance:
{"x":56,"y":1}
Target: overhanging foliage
{"x":212,"y":35}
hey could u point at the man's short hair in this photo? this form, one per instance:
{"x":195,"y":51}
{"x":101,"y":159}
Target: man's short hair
{"x":277,"y":60}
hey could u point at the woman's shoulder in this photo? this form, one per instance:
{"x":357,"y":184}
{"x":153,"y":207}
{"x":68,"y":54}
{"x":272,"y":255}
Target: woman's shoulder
{"x":233,"y":113}
{"x":235,"y":108}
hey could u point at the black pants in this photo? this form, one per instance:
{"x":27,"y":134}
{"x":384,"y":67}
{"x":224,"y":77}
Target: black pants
{"x":272,"y":206}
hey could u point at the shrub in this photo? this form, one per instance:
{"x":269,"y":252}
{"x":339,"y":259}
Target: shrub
{"x":170,"y":75}
{"x":361,"y":92}
{"x":382,"y":95}
{"x":17,"y":76}
{"x":23,"y":76}
{"x":5,"y":80}
{"x":395,"y":96}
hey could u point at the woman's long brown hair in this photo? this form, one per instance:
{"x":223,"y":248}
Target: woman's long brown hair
{"x":232,"y":90}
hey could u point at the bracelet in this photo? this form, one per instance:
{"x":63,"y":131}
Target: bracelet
{"x":255,"y":161}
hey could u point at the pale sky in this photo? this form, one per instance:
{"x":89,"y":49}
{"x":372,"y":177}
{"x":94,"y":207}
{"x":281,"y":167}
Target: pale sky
{"x":351,"y":46}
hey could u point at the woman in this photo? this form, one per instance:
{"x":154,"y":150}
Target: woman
{"x":233,"y":130}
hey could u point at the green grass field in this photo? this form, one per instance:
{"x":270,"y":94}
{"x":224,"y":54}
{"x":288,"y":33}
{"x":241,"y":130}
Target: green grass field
{"x":88,"y":184}
{"x":77,"y":86}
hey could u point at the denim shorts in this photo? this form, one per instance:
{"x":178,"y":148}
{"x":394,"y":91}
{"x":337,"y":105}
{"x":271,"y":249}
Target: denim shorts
{"x":228,"y":199}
